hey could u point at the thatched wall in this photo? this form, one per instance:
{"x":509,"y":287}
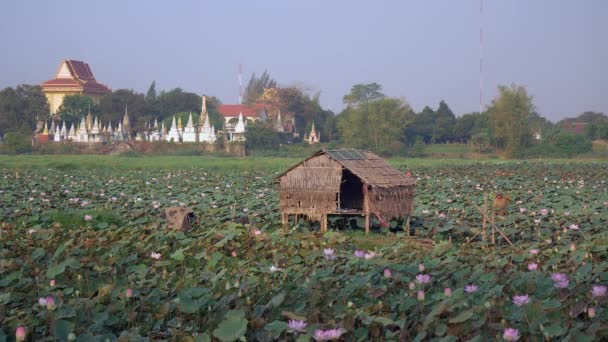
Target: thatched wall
{"x":311,"y":187}
{"x":391,"y":202}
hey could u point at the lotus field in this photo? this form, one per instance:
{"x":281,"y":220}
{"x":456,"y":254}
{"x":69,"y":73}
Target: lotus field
{"x":85,"y":255}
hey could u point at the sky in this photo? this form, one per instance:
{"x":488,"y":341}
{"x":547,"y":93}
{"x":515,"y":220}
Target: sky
{"x":421,"y":51}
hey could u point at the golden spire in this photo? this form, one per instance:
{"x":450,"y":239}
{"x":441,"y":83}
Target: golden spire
{"x":179,"y":122}
{"x":45,"y":131}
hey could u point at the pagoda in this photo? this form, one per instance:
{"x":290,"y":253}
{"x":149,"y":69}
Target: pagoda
{"x":189,"y":134}
{"x":173,"y":135}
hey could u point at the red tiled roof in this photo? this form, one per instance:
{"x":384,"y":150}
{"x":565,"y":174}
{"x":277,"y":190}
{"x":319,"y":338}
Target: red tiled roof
{"x":82,"y":79}
{"x":574,"y":127}
{"x":233,"y":110}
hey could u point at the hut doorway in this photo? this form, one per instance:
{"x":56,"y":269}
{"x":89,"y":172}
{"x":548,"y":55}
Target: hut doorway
{"x":351,"y":191}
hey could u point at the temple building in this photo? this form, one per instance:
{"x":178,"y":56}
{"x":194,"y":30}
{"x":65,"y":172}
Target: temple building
{"x":72,"y":77}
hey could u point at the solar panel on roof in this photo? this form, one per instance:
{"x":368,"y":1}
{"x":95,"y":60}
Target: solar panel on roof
{"x":346,"y":155}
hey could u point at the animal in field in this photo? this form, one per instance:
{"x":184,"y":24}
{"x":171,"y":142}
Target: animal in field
{"x":501,"y":204}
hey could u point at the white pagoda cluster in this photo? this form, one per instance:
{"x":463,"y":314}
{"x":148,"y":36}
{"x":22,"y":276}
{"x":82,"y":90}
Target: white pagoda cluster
{"x":204,"y":133}
{"x":89,"y":130}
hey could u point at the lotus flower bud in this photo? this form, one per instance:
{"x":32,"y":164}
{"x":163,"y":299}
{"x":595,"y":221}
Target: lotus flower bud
{"x":20,"y":333}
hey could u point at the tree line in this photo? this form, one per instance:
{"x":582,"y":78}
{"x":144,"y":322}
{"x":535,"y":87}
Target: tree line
{"x":371,"y":120}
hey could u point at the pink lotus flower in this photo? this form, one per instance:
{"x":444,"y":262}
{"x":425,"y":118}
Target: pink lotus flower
{"x":84,"y":203}
{"x":387,"y":273}
{"x":447,"y":292}
{"x":421,"y":267}
{"x":360,"y":254}
{"x":534,"y":251}
{"x":50,"y":303}
{"x":532,"y":266}
{"x":511,"y":334}
{"x":299,"y":326}
{"x":599,"y":291}
{"x":420,"y":295}
{"x":544,"y":212}
{"x":560,"y":280}
{"x":574,"y":226}
{"x":20,"y":333}
{"x":88,"y":217}
{"x":329,"y":253}
{"x":257,"y":232}
{"x":470,"y":288}
{"x":369,"y":255}
{"x":42,"y":301}
{"x":129,"y":293}
{"x":327,"y":335}
{"x":52,"y":282}
{"x":523,"y":210}
{"x":155,"y":256}
{"x":423,"y":278}
{"x":412,"y":286}
{"x":521,"y":300}
{"x":233,"y":253}
{"x":537,"y":221}
{"x":591,"y":312}
{"x":573,"y":247}
{"x":442,"y":216}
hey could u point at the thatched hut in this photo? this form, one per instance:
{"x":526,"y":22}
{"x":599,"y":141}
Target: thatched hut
{"x":345,"y":182}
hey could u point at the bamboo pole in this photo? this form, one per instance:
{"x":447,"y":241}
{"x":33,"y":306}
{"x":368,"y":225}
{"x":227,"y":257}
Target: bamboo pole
{"x":493,"y":225}
{"x":483,"y":225}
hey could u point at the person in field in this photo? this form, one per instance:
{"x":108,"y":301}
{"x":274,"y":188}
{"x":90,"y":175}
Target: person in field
{"x":501,"y":204}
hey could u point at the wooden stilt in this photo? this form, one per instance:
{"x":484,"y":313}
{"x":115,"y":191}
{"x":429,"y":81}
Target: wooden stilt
{"x":285,"y":221}
{"x":407,"y":226}
{"x":324,"y":223}
{"x":366,"y":223}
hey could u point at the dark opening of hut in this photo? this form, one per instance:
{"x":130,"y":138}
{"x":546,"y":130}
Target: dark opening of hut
{"x":345,"y":182}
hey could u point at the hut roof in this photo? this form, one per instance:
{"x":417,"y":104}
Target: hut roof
{"x":369,"y":167}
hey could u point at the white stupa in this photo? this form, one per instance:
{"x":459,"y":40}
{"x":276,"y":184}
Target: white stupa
{"x":173,"y":134}
{"x":189,"y":134}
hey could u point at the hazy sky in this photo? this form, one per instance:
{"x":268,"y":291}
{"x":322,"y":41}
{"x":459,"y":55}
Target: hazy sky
{"x":423,"y":51}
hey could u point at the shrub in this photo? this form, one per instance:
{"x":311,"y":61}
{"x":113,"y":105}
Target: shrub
{"x":16,"y":143}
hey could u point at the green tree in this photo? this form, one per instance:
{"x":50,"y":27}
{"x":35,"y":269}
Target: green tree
{"x":21,"y":108}
{"x":256,"y":85}
{"x":74,"y":107}
{"x":509,"y":116}
{"x":377,"y":125}
{"x":443,"y":127}
{"x":363,"y":94}
{"x":260,"y":136}
{"x":112,"y":108}
{"x":17,"y":142}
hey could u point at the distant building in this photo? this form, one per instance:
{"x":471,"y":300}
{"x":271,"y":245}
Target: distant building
{"x":577,"y":128}
{"x":72,"y":77}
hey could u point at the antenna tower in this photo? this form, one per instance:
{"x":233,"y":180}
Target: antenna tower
{"x":480,"y":56}
{"x":240,"y":83}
